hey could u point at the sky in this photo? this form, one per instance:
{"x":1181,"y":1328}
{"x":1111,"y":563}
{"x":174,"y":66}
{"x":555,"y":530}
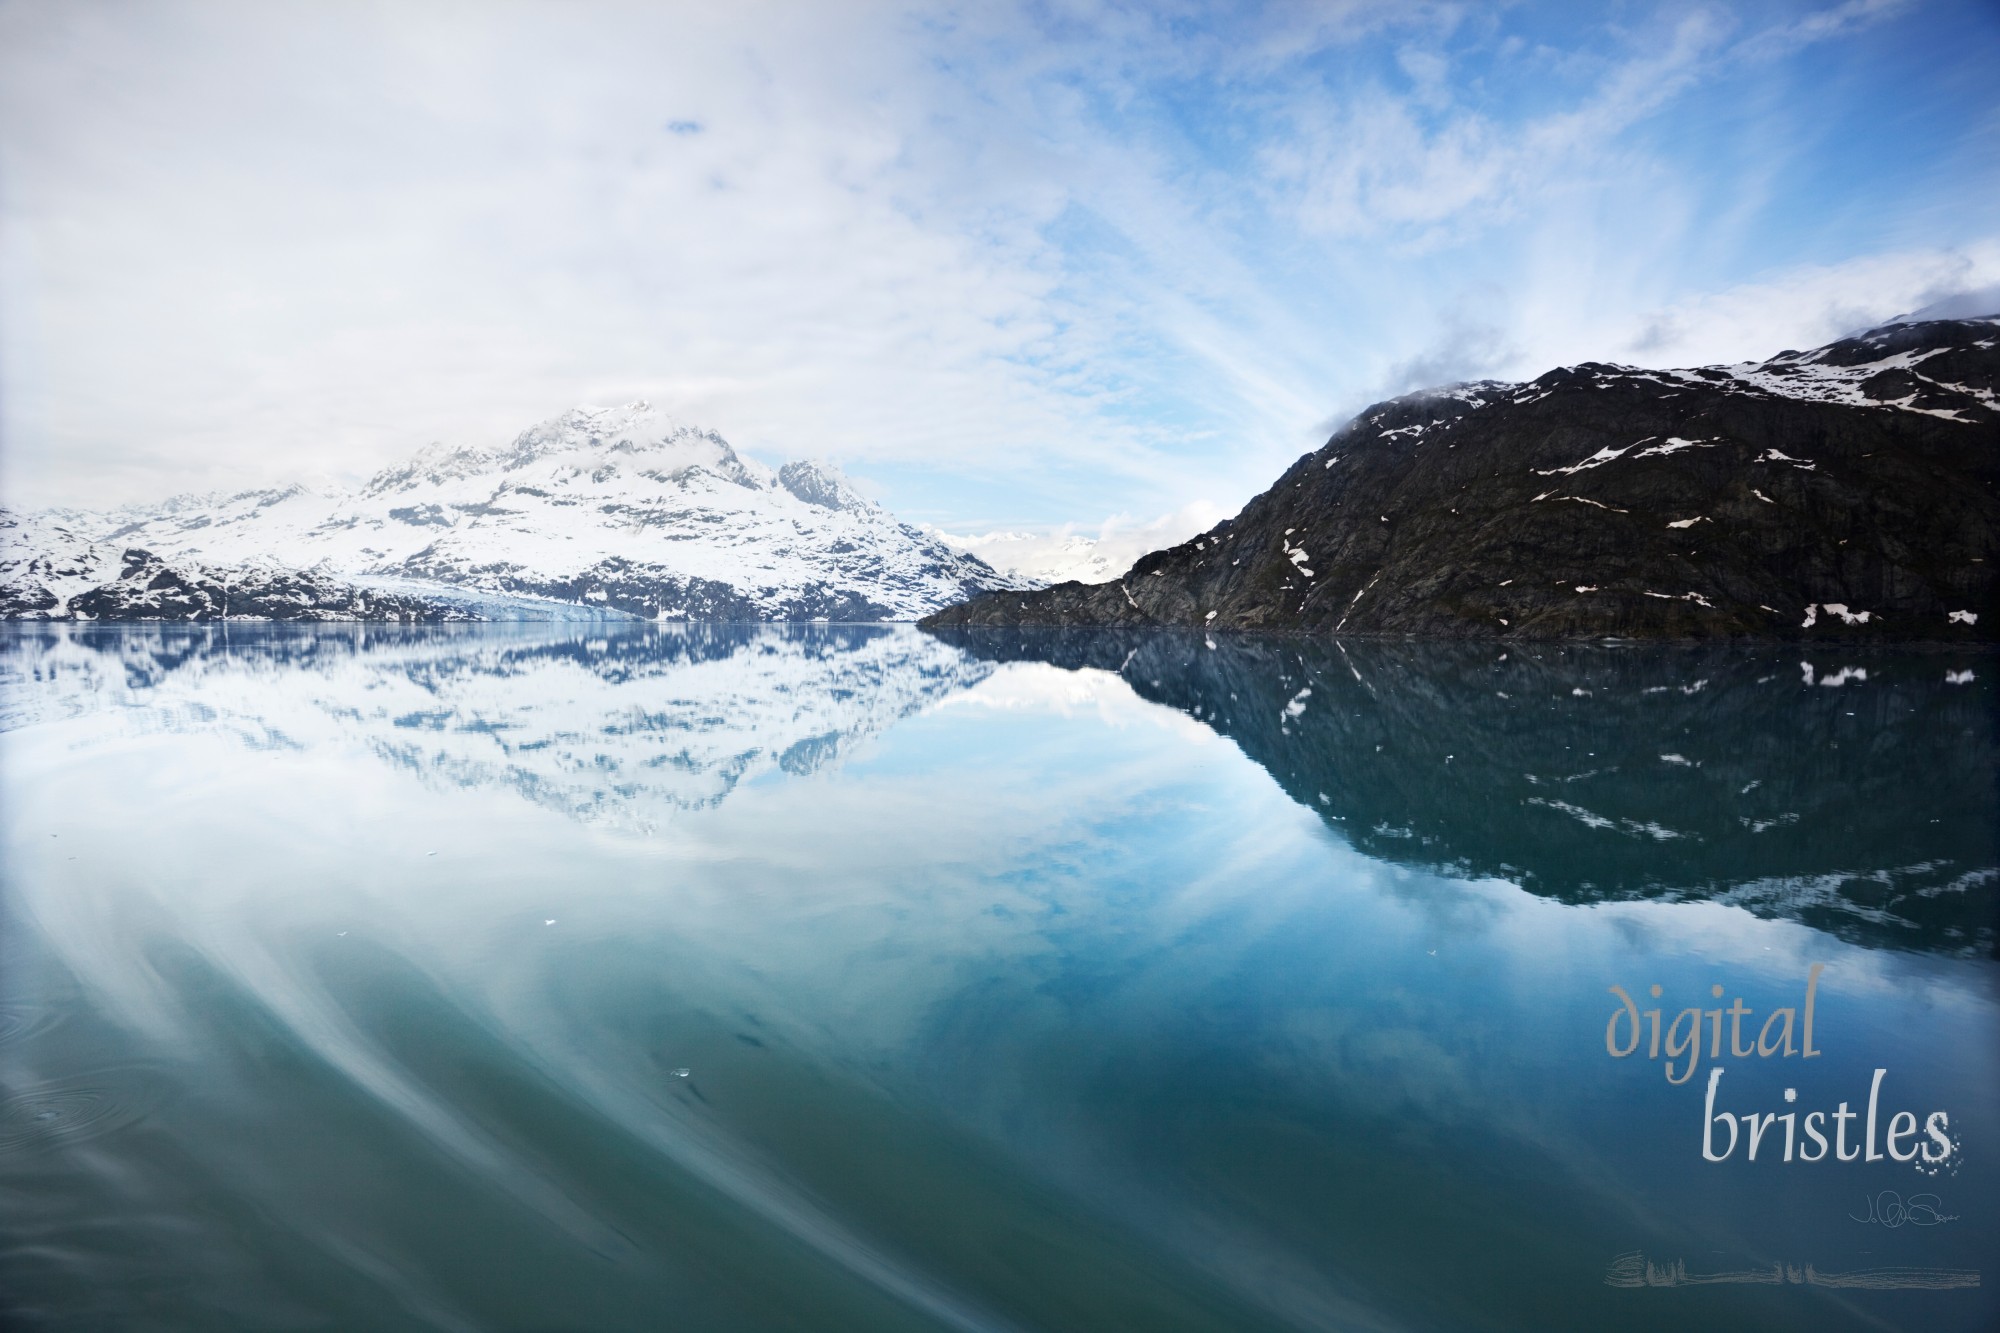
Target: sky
{"x":1049,"y":267}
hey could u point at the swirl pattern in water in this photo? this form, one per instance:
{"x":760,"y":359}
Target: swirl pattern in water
{"x":851,"y":977}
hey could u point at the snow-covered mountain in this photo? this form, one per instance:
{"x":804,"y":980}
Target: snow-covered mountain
{"x":1057,"y":556}
{"x":618,"y":509}
{"x":49,"y":572}
{"x":1041,"y":557}
{"x":45,"y":563}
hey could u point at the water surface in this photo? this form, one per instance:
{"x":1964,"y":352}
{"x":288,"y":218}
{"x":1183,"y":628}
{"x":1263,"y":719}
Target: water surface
{"x":554,"y":977}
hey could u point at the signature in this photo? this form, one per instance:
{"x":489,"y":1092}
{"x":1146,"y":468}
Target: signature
{"x":1634,"y":1269}
{"x":1892,"y":1210}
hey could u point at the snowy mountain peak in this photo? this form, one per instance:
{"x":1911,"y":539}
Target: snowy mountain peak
{"x":435,"y":464}
{"x":823,"y":484}
{"x":620,"y":510}
{"x":636,"y":433}
{"x":596,"y":440}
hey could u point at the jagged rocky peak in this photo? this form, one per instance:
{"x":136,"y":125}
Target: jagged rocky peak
{"x":823,"y":484}
{"x":592,"y":439}
{"x":651,"y":438}
{"x":435,"y":463}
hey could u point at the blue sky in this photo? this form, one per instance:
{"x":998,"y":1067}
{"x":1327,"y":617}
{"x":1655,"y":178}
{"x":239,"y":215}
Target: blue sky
{"x":1013,"y":265}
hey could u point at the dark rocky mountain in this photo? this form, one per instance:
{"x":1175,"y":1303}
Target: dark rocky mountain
{"x":1848,"y":790}
{"x":1847,"y":493}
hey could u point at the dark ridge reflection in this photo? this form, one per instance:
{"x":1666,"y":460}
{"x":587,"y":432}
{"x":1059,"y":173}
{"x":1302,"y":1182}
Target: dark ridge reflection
{"x":1851,"y":790}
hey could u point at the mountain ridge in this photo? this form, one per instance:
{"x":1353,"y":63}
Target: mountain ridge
{"x":621,"y":511}
{"x":1848,"y":492}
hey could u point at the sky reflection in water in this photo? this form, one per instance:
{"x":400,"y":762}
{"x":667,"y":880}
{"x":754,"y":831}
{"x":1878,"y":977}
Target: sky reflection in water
{"x":1061,"y":981}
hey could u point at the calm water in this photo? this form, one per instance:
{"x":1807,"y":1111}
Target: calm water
{"x":851,"y":978}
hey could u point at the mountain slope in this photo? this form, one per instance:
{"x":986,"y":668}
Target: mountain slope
{"x":1848,"y":492}
{"x":48,"y":572}
{"x":617,"y":509}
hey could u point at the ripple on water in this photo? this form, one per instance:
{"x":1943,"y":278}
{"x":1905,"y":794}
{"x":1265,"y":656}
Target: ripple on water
{"x":65,"y":1111}
{"x":18,"y":1022}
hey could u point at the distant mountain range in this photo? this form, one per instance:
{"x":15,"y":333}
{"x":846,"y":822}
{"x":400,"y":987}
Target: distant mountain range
{"x":614,"y":512}
{"x":1848,"y":492}
{"x":1043,"y":558}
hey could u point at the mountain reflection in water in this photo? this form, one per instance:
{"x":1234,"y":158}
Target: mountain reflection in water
{"x":1853,"y":793}
{"x":1854,"y":790}
{"x":830,"y":977}
{"x":610,"y":727}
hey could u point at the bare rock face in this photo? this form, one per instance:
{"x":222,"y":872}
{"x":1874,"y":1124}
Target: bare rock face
{"x":1847,"y":493}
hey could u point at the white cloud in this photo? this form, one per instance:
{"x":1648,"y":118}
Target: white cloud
{"x":227,"y":251}
{"x":1803,"y":308}
{"x":1379,"y":164}
{"x":1821,"y":25}
{"x":1059,"y":259}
